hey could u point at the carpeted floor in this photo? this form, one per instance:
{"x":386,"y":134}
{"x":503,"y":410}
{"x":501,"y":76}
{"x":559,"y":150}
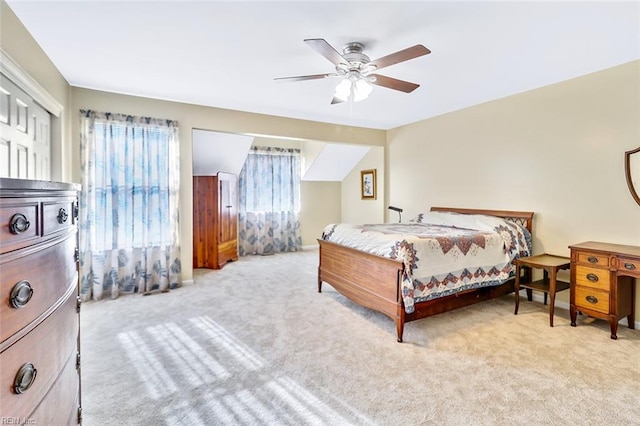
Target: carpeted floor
{"x":254,"y":343}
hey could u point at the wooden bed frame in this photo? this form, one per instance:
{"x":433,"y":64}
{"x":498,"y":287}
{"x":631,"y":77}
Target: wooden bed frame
{"x":375,"y":282}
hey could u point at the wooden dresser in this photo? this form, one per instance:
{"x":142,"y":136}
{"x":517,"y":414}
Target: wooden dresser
{"x":215,"y":220}
{"x":39,"y":313}
{"x":602,"y":282}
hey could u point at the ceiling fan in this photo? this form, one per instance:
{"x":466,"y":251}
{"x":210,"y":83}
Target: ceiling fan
{"x":357,"y":70}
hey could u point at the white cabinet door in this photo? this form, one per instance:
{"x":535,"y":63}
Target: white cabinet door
{"x":25,"y":135}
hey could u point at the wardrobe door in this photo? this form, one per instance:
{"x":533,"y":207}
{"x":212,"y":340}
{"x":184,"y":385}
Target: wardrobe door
{"x":228,"y":218}
{"x":205,"y":222}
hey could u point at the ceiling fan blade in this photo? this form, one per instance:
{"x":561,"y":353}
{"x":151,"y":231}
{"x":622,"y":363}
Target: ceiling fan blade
{"x":392,"y":83}
{"x":400,"y":56}
{"x":321,"y":46}
{"x":336,"y":101}
{"x":306,"y":77}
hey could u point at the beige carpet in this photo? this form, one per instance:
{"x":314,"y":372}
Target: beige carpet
{"x":256,"y":344}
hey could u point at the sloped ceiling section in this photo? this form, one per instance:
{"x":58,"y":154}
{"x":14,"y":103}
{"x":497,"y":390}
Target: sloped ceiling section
{"x":215,"y":152}
{"x":334,"y":162}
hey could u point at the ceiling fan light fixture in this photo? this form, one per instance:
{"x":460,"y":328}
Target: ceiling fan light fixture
{"x":343,"y":90}
{"x":361,"y":90}
{"x":353,"y":87}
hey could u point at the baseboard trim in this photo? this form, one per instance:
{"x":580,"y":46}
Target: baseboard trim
{"x":310,"y":247}
{"x":187,"y":282}
{"x":539,"y":297}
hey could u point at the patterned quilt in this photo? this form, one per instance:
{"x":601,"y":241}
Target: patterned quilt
{"x":443,"y":253}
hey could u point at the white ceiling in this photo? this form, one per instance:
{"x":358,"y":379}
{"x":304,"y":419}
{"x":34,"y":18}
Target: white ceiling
{"x":226,"y":54}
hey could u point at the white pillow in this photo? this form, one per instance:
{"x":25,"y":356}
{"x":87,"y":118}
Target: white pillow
{"x":459,"y":220}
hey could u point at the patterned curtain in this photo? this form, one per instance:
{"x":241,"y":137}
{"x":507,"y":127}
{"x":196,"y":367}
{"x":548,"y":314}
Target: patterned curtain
{"x":269,"y":208}
{"x":129,"y":240}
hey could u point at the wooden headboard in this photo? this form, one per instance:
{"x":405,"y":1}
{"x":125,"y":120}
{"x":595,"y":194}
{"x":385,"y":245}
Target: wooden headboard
{"x":523,"y":218}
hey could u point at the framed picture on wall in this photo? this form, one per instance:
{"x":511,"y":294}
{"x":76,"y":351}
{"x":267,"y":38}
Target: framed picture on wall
{"x":368,"y":184}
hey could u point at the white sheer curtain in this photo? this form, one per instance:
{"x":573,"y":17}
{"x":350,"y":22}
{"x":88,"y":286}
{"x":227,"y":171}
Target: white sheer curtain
{"x":129,"y":240}
{"x":269,"y":208}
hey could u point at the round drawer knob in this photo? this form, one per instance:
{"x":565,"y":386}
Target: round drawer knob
{"x":21,"y":294}
{"x":24,"y":378}
{"x":592,"y":259}
{"x":592,"y":299}
{"x":62,"y":216}
{"x":18,"y":223}
{"x":593,"y":278}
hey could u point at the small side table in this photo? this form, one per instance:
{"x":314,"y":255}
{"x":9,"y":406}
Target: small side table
{"x":549,"y":284}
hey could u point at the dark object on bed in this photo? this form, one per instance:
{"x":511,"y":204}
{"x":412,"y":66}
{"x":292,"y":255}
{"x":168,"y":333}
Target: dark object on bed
{"x":375,"y":282}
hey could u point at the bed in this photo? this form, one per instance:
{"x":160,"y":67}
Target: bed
{"x":399,"y":281}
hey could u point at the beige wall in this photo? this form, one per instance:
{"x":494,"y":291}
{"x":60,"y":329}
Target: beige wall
{"x":320,"y":206}
{"x":215,"y":119}
{"x":557,"y":151}
{"x":354,"y":208}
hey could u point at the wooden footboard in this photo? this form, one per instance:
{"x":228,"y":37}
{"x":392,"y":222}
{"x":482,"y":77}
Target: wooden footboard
{"x":369,"y":280}
{"x":375,"y":282}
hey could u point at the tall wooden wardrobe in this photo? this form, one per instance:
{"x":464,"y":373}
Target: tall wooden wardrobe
{"x":215,"y":220}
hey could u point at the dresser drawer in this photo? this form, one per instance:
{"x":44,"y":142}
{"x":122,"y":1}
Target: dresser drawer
{"x":48,"y":348}
{"x":629,"y":266}
{"x":593,"y":277}
{"x":60,"y":406}
{"x":19,"y":224}
{"x":48,"y":273}
{"x":57,"y":216}
{"x":591,"y":298}
{"x":593,"y":259}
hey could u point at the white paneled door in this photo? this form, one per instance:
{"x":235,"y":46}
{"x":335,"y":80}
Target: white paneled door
{"x":25,"y":134}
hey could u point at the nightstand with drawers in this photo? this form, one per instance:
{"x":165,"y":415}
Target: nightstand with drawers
{"x":603,"y":279}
